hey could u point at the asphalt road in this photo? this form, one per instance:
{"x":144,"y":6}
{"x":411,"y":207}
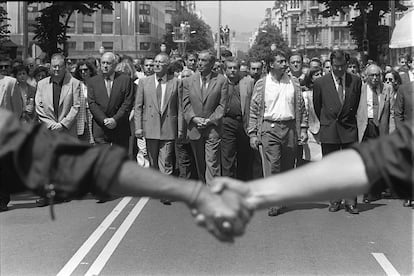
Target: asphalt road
{"x":133,"y":236}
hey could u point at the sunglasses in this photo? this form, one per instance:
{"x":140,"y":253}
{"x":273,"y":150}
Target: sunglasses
{"x":84,"y":70}
{"x":389,"y":79}
{"x":4,"y":66}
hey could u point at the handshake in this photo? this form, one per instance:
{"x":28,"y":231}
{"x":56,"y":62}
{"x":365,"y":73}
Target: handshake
{"x":224,"y":209}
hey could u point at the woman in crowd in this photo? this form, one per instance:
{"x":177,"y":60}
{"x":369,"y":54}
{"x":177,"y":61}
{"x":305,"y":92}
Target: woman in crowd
{"x":27,"y":93}
{"x":84,"y":70}
{"x":312,"y":150}
{"x":40,"y":72}
{"x":392,"y":78}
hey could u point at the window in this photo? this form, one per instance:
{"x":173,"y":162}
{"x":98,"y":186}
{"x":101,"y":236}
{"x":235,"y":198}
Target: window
{"x":144,"y":9}
{"x":337,"y":36}
{"x":107,"y":27}
{"x":71,"y":27}
{"x":144,"y":24}
{"x":71,"y":45}
{"x":108,"y":45}
{"x":88,"y":27}
{"x":89,"y":45}
{"x":107,"y":11}
{"x":145,"y":46}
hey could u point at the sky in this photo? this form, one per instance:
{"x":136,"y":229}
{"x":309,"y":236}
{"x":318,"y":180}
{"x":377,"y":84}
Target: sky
{"x":241,"y":16}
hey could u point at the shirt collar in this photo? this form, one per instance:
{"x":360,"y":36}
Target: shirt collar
{"x":208,"y":77}
{"x":163,"y":78}
{"x":340,"y":77}
{"x":57,"y":81}
{"x":111,"y":76}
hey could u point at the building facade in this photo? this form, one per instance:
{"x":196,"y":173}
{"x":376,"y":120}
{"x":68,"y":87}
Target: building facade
{"x":134,"y":28}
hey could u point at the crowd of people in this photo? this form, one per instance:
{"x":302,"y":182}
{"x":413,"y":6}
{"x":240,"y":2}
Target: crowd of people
{"x":196,"y":117}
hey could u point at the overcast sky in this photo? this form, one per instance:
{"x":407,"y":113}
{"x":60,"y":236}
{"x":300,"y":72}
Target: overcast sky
{"x":242,"y":16}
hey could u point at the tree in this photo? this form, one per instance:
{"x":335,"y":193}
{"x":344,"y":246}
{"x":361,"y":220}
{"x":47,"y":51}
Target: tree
{"x":50,"y":32}
{"x":201,"y":37}
{"x":4,"y":27}
{"x":267,"y":36}
{"x":377,"y":35}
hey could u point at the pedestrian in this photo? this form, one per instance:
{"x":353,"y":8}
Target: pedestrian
{"x":278,"y":118}
{"x":335,"y":98}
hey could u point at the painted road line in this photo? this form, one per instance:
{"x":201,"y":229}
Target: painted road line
{"x":73,"y":263}
{"x":385,"y":264}
{"x":110,"y":247}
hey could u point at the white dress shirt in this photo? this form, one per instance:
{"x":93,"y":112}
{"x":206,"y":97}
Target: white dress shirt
{"x":163,"y":87}
{"x":279,"y":99}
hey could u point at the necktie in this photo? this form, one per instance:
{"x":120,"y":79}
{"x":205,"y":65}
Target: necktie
{"x":159,"y":93}
{"x":108,"y":86}
{"x":340,"y":91}
{"x":375,"y":105}
{"x":204,"y":87}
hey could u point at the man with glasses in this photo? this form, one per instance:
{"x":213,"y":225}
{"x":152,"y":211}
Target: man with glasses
{"x":158,"y":115}
{"x":335,"y":98}
{"x":373,"y":115}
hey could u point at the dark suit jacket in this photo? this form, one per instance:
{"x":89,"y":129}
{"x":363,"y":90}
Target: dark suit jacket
{"x":246,"y":86}
{"x":384,"y":113}
{"x":211,"y":106}
{"x":403,"y":108}
{"x":117,"y":106}
{"x":338,"y":121}
{"x":158,"y":124}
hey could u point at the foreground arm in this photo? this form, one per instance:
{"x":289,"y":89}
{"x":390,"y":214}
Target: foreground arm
{"x":31,"y":157}
{"x":370,"y":166}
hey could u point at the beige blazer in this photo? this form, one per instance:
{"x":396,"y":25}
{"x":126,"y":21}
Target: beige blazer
{"x":246,"y":86}
{"x":68,"y":103}
{"x":10,"y":97}
{"x":158,"y":124}
{"x":383,"y":111}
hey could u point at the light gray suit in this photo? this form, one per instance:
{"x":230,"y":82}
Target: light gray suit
{"x":160,"y":127}
{"x":68,"y":103}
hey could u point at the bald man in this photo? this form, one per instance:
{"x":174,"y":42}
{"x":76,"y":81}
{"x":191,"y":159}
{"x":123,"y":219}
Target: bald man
{"x":110,"y":98}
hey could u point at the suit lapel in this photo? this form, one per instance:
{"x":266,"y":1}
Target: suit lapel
{"x":211,"y":85}
{"x":382,"y":99}
{"x":334,"y":90}
{"x":197,"y":86}
{"x":152,"y":88}
{"x":243,"y":94}
{"x":168,"y":92}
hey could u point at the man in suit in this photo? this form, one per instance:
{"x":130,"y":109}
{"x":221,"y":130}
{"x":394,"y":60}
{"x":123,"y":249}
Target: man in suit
{"x":335,"y":98}
{"x":278,"y":118}
{"x":57,"y":101}
{"x":158,"y":115}
{"x":403,"y":112}
{"x":204,"y":101}
{"x":110,"y":97}
{"x":236,"y":155}
{"x":57,"y":98}
{"x":373,"y":114}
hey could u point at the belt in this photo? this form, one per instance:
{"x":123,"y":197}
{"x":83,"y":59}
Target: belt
{"x":235,"y":117}
{"x":279,"y":121}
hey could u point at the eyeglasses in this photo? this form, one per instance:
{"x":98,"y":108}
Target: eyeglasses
{"x":389,"y":79}
{"x":4,"y":66}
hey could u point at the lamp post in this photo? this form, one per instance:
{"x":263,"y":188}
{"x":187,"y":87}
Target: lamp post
{"x":120,"y":30}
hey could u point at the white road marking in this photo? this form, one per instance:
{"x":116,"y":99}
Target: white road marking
{"x":110,"y":247}
{"x":385,"y":264}
{"x":73,"y":263}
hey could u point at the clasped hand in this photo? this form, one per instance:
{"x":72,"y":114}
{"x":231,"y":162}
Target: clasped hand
{"x":224,"y":210}
{"x":201,"y":122}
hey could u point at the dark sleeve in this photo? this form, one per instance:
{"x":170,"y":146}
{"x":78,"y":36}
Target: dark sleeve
{"x":389,"y":161}
{"x":127,"y":102}
{"x":317,"y":99}
{"x":32,"y":157}
{"x":98,"y":114}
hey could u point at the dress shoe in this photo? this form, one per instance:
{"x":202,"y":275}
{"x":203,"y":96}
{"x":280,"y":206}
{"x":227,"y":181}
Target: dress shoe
{"x":334,"y":207}
{"x":165,"y":201}
{"x":274,"y":211}
{"x":407,"y":203}
{"x":42,"y":202}
{"x":3,"y":207}
{"x":352,"y":209}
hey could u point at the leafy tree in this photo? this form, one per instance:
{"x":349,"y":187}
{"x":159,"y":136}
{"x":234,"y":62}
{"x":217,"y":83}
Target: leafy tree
{"x":4,"y":31}
{"x":200,"y":40}
{"x":52,"y":25}
{"x":267,"y":36}
{"x":374,"y":11}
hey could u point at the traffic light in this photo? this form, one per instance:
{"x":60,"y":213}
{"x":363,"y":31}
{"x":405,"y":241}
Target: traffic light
{"x":365,"y":46}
